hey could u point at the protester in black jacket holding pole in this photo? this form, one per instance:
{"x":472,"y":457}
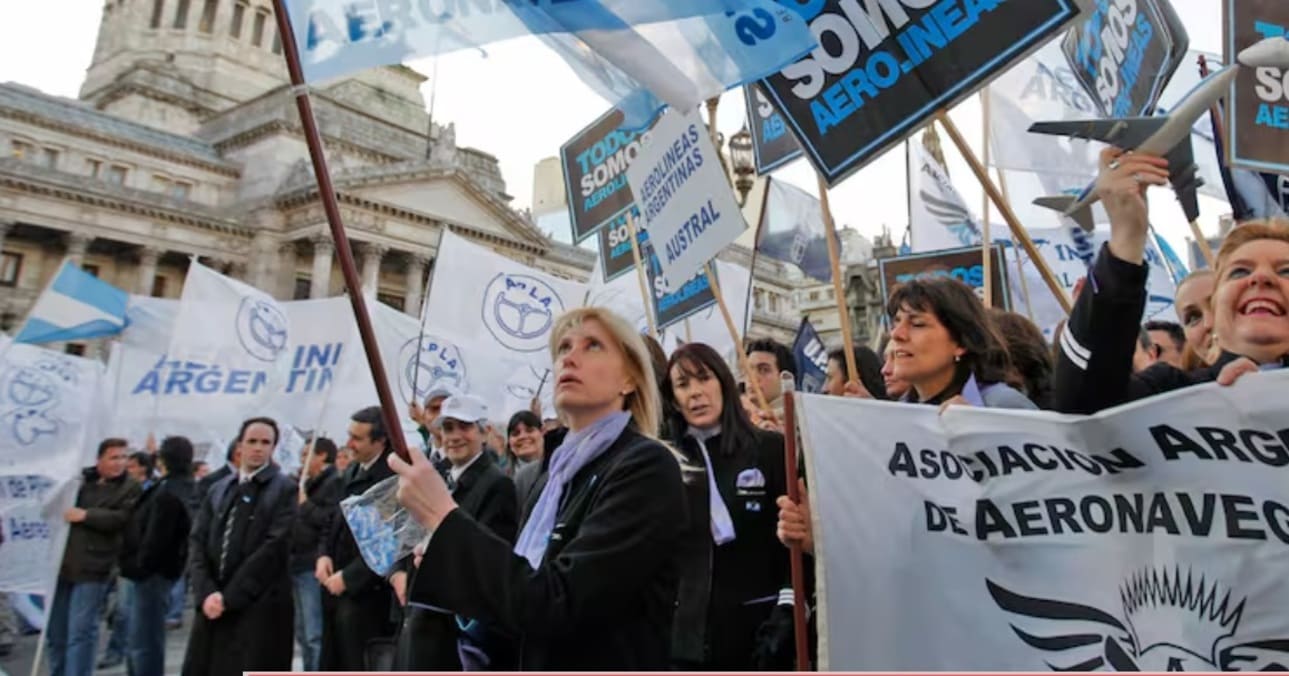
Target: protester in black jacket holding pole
{"x":317,"y":503}
{"x":591,"y":583}
{"x":1250,"y":303}
{"x":733,"y":569}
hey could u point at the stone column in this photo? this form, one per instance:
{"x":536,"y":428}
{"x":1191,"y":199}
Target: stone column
{"x":417,"y":265}
{"x":323,"y":251}
{"x":372,"y":255}
{"x":148,"y":257}
{"x":283,"y":277}
{"x":77,"y":244}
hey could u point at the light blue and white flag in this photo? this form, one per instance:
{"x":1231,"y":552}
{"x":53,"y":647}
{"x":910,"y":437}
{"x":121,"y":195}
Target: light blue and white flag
{"x":75,"y":306}
{"x":639,"y":54}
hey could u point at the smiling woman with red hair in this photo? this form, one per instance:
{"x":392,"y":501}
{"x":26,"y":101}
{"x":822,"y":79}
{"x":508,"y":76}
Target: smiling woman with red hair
{"x":1249,"y":306}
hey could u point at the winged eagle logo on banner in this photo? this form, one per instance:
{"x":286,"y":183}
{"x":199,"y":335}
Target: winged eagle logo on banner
{"x":1172,"y":621}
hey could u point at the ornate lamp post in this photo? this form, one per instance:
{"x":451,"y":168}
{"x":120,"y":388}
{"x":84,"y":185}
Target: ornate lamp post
{"x":744,"y":162}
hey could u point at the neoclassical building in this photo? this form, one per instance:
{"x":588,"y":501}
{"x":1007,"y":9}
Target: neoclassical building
{"x":185,"y":143}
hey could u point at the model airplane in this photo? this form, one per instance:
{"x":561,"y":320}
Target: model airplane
{"x":1166,"y":136}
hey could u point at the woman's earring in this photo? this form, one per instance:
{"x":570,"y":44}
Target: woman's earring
{"x":957,"y":358}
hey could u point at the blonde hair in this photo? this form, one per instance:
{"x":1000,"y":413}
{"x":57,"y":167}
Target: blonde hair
{"x":1250,"y":231}
{"x":643,"y":403}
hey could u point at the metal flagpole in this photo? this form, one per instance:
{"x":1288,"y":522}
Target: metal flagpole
{"x":344,"y":252}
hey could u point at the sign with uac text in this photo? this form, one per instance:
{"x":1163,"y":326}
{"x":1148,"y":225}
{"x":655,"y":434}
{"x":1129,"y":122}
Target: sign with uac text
{"x":684,"y":196}
{"x":1150,"y":537}
{"x":882,"y":69}
{"x":1258,"y":110}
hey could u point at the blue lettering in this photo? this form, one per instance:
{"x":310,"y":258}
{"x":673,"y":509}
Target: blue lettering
{"x":751,"y":29}
{"x":1276,"y":117}
{"x":149,"y":384}
{"x":237,"y":382}
{"x":208,"y":381}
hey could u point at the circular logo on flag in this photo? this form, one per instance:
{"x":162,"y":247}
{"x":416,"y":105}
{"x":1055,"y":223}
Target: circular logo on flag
{"x":519,"y":311}
{"x":261,"y":328}
{"x":437,"y":363}
{"x":30,"y":394}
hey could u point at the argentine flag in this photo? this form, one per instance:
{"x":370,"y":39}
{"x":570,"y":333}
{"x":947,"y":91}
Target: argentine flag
{"x":75,"y":306}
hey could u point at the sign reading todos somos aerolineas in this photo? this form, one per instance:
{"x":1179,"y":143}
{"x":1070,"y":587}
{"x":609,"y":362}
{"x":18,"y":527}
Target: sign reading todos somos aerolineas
{"x":883,"y":68}
{"x":595,"y":165}
{"x":772,"y":144}
{"x":684,"y":196}
{"x":615,"y":244}
{"x":1124,"y":52}
{"x":1258,"y":111}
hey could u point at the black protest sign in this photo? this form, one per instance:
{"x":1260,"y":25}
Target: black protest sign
{"x":615,"y":245}
{"x":1258,"y":110}
{"x":674,"y":305}
{"x":773,"y":145}
{"x":1123,"y":52}
{"x":595,"y":173}
{"x":964,"y":265}
{"x":883,"y":69}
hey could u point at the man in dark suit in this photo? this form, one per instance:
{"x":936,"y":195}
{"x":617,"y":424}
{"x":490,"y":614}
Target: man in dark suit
{"x":361,"y":602}
{"x":240,"y":548}
{"x":428,"y":639}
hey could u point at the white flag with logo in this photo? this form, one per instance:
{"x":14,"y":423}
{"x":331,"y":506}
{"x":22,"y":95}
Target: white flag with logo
{"x":214,"y":306}
{"x":52,"y":407}
{"x":1151,"y":537}
{"x":497,"y":304}
{"x":939,"y":217}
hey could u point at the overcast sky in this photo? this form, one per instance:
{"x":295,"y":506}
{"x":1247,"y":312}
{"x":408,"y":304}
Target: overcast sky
{"x":520,"y":103}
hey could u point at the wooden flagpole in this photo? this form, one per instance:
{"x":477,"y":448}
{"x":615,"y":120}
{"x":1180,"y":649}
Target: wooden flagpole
{"x":986,"y":241}
{"x":1005,"y":209}
{"x":796,"y":562}
{"x":345,"y":254}
{"x":645,"y":296}
{"x":838,"y":288}
{"x":1020,"y":263}
{"x":710,"y":270}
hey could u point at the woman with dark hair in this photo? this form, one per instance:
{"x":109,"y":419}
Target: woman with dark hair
{"x":1029,"y":353}
{"x":732,"y":567}
{"x":946,"y":348}
{"x":527,"y":444}
{"x":869,"y":366}
{"x":1249,"y":305}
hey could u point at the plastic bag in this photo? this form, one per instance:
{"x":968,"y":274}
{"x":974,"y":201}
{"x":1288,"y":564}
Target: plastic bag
{"x":384,"y":531}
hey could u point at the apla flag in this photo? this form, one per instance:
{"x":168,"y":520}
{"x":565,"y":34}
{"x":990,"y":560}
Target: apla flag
{"x":51,"y":409}
{"x":1151,"y":537}
{"x":496,"y":304}
{"x":75,"y":306}
{"x":792,"y":230}
{"x":939,"y":218}
{"x":212,"y":307}
{"x":639,"y":54}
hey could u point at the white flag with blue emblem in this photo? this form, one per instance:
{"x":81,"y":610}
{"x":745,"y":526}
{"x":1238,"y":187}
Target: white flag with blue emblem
{"x":214,"y":307}
{"x":939,"y":218}
{"x":75,"y":306}
{"x":51,"y":412}
{"x":639,"y":54}
{"x":496,"y":304}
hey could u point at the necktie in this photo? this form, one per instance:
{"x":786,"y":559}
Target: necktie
{"x":229,"y":522}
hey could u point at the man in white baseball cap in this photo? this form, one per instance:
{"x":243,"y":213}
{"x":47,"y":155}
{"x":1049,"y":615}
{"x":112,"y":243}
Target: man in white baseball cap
{"x":462,"y":427}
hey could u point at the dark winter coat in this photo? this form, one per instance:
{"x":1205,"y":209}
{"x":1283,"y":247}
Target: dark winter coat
{"x":94,"y":544}
{"x":156,"y":538}
{"x":314,"y":518}
{"x":254,"y":632}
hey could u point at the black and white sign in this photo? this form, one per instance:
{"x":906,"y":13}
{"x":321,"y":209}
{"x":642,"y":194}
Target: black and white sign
{"x":595,"y":173}
{"x":884,"y":68}
{"x":1258,"y":114}
{"x":773,"y":144}
{"x":1124,"y":52}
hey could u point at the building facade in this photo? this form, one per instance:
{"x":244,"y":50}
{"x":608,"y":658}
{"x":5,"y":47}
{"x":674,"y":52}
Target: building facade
{"x":185,"y":143}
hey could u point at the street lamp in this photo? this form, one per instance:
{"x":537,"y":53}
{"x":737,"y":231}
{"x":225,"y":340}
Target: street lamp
{"x":744,"y":162}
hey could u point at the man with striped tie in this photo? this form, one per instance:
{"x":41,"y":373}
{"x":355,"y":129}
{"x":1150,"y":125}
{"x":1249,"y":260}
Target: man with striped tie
{"x":239,"y":565}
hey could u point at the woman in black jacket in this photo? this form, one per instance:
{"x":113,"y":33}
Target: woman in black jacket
{"x":733,"y":568}
{"x":591,"y":582}
{"x":1250,"y":302}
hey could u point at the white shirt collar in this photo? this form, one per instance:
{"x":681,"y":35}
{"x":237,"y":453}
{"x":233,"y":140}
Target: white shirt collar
{"x":244,"y":477}
{"x":455,"y":472}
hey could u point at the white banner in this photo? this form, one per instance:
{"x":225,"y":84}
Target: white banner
{"x":1151,"y":537}
{"x":684,"y":196}
{"x":1057,"y":248}
{"x":51,"y":410}
{"x":939,"y":217}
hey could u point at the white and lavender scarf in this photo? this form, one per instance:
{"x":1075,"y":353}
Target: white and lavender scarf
{"x":722,"y":523}
{"x":579,"y":449}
